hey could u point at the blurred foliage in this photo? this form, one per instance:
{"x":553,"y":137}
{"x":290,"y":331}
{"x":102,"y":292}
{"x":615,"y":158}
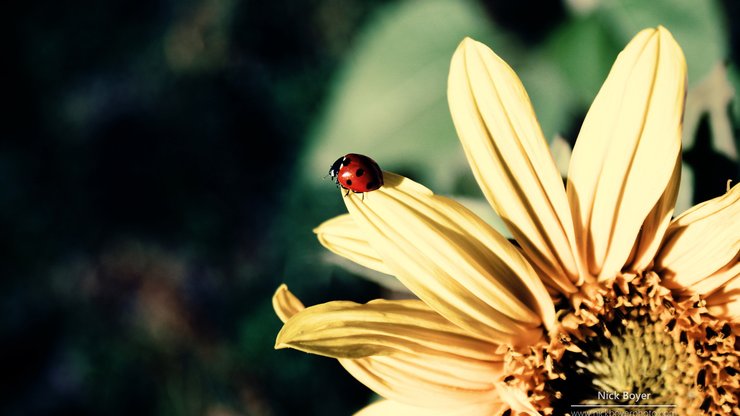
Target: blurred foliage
{"x":160,"y":174}
{"x":390,"y":99}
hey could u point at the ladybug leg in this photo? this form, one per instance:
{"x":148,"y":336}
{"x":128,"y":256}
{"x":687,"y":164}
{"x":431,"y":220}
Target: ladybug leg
{"x":346,"y":193}
{"x":363,"y":197}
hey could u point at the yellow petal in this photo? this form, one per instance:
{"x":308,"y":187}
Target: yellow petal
{"x":625,"y":154}
{"x":701,"y":241}
{"x":725,"y":301}
{"x":656,"y":224}
{"x":454,"y":261}
{"x":426,"y":376}
{"x":511,"y":160}
{"x":427,"y":380}
{"x":717,"y":280}
{"x":285,"y":303}
{"x":391,"y":408}
{"x":344,"y":329}
{"x":342,"y":236}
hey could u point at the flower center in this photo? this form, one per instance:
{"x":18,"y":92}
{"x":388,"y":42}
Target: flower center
{"x":638,"y":365}
{"x":630,"y":345}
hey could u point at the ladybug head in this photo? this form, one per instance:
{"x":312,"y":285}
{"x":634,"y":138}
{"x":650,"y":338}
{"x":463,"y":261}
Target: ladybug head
{"x":334,"y":169}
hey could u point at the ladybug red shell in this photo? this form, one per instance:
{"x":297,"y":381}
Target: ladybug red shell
{"x":356,"y":173}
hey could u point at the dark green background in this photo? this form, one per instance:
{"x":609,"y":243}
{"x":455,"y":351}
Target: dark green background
{"x":153,"y":196}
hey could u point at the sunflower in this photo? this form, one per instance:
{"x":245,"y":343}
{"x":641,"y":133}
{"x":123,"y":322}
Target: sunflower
{"x":604,"y":301}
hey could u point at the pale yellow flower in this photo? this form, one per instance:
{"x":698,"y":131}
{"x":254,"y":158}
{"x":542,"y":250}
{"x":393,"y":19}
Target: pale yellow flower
{"x":604,"y":294}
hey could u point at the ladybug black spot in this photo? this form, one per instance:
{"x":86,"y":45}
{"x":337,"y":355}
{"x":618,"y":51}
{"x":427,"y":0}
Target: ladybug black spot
{"x":349,"y":182}
{"x":360,"y":172}
{"x":372,"y":185}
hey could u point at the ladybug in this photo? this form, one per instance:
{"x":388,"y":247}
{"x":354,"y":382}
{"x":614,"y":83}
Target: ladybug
{"x":356,"y":173}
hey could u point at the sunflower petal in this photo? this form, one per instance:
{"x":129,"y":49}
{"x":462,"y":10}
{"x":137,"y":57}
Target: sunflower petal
{"x":342,"y":329}
{"x":725,"y":302}
{"x":392,"y":408}
{"x":625,"y":154}
{"x":454,"y":261}
{"x":285,"y":303}
{"x":427,"y":380}
{"x":427,"y":376}
{"x":342,"y":236}
{"x":656,"y":224}
{"x":717,"y":280}
{"x":511,"y":160}
{"x":703,"y":240}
